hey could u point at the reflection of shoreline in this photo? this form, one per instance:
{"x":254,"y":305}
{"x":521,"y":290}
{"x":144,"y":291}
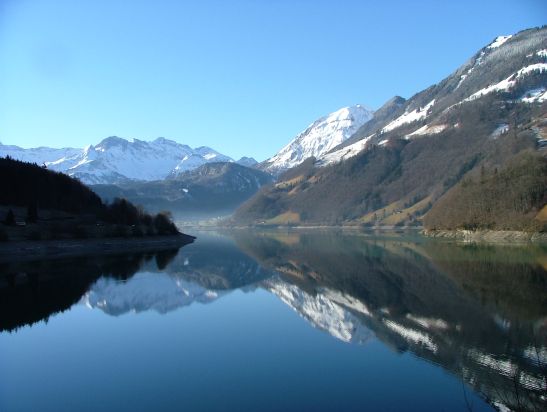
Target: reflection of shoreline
{"x":54,"y":249}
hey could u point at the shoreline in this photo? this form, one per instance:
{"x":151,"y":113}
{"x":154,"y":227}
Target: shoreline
{"x":487,"y":236}
{"x":465,"y":236}
{"x":28,"y":250}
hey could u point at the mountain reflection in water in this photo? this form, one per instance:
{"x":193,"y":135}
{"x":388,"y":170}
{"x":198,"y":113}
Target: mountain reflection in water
{"x":480,"y":312}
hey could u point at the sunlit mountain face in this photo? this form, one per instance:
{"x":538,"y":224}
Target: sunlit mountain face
{"x":455,"y":306}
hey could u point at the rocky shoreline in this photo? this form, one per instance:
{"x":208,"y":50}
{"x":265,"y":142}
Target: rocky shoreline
{"x":488,"y":236}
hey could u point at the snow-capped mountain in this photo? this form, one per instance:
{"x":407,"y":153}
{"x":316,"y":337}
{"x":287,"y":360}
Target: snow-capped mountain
{"x":512,"y":64}
{"x":116,"y":160}
{"x":320,"y":137}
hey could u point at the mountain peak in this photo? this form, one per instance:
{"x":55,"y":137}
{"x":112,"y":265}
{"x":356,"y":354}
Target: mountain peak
{"x":320,"y":137}
{"x":247,"y":161}
{"x":498,"y":41}
{"x":163,"y":140}
{"x":112,"y":141}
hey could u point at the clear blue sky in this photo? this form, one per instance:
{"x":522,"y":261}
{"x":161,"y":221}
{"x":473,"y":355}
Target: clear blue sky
{"x":240,"y":76}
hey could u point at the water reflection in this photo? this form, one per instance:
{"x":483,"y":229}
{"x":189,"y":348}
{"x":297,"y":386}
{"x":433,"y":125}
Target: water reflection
{"x":479,"y":312}
{"x":33,"y":291}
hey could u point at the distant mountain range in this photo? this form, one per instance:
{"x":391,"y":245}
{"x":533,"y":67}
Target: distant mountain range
{"x":211,"y":190}
{"x":117,"y":160}
{"x":411,"y":153}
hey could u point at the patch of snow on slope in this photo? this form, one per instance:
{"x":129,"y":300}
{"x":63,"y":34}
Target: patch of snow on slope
{"x":409,"y":117}
{"x":501,"y":129}
{"x":499,"y":41}
{"x":536,"y":95}
{"x":321,"y":136}
{"x":344,"y":153}
{"x":542,"y":53}
{"x":509,"y":82}
{"x":428,"y":129}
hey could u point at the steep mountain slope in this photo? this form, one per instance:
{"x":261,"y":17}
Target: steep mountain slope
{"x":510,"y":64}
{"x":116,"y":160}
{"x":212,"y":189}
{"x":320,"y":137}
{"x":412,"y":152}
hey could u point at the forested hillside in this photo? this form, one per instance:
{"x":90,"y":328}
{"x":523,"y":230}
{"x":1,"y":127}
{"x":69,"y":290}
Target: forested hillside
{"x":507,"y":199}
{"x":37,"y":203}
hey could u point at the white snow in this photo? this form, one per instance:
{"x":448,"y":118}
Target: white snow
{"x":499,"y":41}
{"x":535,"y":95}
{"x":344,"y":153}
{"x":324,"y":311}
{"x":542,"y":53}
{"x":409,"y":117}
{"x":427,"y":130}
{"x":145,"y":291}
{"x":536,"y":383}
{"x":347,"y":301}
{"x":536,"y":355}
{"x":412,"y":335}
{"x":320,"y":137}
{"x":501,"y":129}
{"x":502,"y":366}
{"x":115,"y":159}
{"x":428,"y":323}
{"x":509,"y":82}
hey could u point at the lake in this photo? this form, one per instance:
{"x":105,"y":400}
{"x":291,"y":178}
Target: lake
{"x":279,"y":321}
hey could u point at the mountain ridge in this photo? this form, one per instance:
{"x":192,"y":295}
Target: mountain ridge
{"x":118,"y":160}
{"x":412,"y":151}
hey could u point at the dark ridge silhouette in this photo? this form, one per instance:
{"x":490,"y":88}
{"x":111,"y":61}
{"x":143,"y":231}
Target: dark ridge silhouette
{"x":37,"y":189}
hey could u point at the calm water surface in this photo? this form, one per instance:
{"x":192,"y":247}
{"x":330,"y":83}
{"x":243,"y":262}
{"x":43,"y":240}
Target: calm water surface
{"x":320,"y":321}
